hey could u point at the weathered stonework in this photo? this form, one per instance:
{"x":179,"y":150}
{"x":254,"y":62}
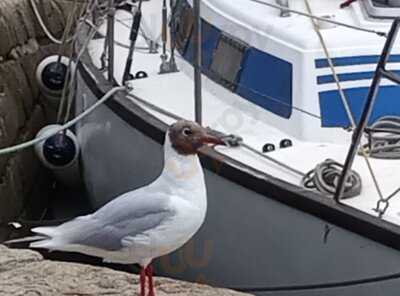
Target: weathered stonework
{"x":23,"y":44}
{"x":25,"y":273}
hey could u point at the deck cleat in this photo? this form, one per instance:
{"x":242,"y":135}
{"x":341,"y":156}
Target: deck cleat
{"x":268,"y":148}
{"x":285,"y":143}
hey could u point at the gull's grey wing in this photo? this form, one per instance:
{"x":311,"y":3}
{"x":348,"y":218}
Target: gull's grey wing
{"x":129,"y":215}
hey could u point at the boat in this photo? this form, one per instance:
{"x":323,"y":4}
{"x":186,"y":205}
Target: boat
{"x":302,"y":202}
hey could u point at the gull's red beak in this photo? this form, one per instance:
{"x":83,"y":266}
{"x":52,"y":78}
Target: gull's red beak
{"x":212,"y":139}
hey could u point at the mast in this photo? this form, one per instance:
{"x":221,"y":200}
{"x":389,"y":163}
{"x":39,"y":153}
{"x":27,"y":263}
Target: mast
{"x":197,"y":61}
{"x":110,"y":38}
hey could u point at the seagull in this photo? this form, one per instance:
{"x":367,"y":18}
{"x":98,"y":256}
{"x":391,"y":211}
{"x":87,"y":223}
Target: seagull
{"x":148,"y":222}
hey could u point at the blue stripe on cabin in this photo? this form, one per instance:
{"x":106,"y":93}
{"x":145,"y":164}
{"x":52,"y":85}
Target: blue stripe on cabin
{"x":347,"y":77}
{"x":210,"y":38}
{"x":354,"y":60}
{"x":334,"y":114}
{"x":264,"y":79}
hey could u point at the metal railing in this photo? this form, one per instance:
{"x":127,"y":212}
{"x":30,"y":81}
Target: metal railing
{"x":380,"y":72}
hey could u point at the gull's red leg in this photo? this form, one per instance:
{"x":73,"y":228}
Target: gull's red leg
{"x":142,"y":281}
{"x":149,"y":273}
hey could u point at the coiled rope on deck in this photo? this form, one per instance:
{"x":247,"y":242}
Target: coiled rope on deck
{"x":325,"y":177}
{"x":384,"y":138}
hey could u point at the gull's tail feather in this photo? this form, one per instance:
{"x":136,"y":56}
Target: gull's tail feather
{"x":43,"y":236}
{"x":48,"y":232}
{"x":25,"y":239}
{"x":48,"y":241}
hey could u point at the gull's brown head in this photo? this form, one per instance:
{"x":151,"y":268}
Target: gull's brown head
{"x":187,"y":137}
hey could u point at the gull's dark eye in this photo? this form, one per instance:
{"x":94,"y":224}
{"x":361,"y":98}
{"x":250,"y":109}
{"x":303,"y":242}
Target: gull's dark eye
{"x":187,"y":131}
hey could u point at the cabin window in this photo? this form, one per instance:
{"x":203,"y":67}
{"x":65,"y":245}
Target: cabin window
{"x":210,"y":39}
{"x":227,"y":61}
{"x":256,"y":76}
{"x":266,"y":80}
{"x":386,"y":3}
{"x":382,"y":8}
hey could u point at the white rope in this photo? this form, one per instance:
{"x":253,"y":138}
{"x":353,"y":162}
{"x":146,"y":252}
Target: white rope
{"x":67,"y":30}
{"x":73,"y":74}
{"x":239,"y":140}
{"x":67,"y":125}
{"x":89,"y":9}
{"x":43,"y":25}
{"x":344,"y":99}
{"x":332,"y":67}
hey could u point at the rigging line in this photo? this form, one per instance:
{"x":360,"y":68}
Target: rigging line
{"x":62,"y":49}
{"x":393,"y":194}
{"x":258,"y":93}
{"x":242,"y":143}
{"x":68,"y":74}
{"x":88,"y":111}
{"x":343,"y":98}
{"x":118,"y":43}
{"x":332,"y":67}
{"x":43,"y":25}
{"x":316,"y":116}
{"x":73,"y":75}
{"x":280,"y":7}
{"x":287,"y":167}
{"x":142,"y":30}
{"x":279,"y":101}
{"x":67,"y":30}
{"x":142,"y":33}
{"x":79,"y":1}
{"x":313,"y":115}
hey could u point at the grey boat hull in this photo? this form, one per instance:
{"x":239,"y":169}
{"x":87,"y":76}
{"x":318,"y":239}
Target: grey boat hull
{"x":252,"y":240}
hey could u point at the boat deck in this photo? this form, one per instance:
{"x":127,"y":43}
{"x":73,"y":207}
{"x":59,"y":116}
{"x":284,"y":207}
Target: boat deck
{"x":233,"y":115}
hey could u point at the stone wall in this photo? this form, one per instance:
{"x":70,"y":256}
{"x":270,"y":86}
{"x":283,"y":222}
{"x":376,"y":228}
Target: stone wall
{"x":26,"y":273}
{"x":23,"y":112}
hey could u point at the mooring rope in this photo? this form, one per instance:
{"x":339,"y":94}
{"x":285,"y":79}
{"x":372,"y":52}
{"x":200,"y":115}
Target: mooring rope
{"x":344,"y":99}
{"x":44,"y":27}
{"x":229,"y":139}
{"x":325,"y":177}
{"x":384,"y":138}
{"x":67,"y":125}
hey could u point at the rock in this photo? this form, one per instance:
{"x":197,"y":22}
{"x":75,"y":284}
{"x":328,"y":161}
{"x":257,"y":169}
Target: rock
{"x":12,"y":259}
{"x":25,"y":272}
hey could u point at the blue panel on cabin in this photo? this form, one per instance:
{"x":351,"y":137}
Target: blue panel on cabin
{"x":210,"y":38}
{"x":334,"y":114}
{"x":267,"y":81}
{"x":354,"y":60}
{"x":323,"y":79}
